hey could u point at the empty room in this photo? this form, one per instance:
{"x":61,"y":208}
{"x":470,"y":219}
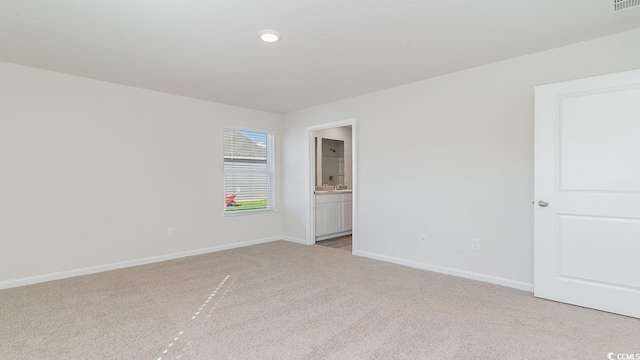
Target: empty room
{"x":320,"y":179}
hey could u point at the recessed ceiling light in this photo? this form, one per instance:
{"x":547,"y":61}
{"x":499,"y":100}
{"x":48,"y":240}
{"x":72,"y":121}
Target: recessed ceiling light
{"x":268,"y":35}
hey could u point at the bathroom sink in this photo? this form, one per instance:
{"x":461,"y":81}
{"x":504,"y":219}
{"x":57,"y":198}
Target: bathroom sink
{"x":325,"y":188}
{"x":331,"y":190}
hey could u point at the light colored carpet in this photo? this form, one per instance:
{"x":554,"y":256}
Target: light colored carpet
{"x":288,"y":301}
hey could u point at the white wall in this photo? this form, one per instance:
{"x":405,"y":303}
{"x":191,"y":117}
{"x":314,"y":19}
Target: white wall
{"x":457,"y":161}
{"x":338,"y":133}
{"x":93,"y":173}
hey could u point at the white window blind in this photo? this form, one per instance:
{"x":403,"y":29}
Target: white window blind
{"x":249,"y":170}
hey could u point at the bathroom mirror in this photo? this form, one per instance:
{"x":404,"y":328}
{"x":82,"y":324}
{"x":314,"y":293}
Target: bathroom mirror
{"x":332,"y":162}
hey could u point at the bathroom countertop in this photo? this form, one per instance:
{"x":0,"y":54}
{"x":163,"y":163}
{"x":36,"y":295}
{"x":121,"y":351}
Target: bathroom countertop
{"x":329,"y":192}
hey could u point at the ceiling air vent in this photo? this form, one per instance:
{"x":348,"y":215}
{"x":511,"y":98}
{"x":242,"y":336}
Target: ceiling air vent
{"x":619,"y":5}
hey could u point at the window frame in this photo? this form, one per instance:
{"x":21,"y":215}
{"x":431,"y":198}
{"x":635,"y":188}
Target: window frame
{"x":268,"y":210}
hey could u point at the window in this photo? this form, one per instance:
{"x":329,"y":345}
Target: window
{"x":249,"y":171}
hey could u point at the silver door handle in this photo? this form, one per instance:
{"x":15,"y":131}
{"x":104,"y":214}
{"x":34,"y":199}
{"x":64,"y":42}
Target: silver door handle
{"x":543,"y":203}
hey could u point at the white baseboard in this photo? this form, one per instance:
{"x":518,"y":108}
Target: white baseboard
{"x":125,"y":264}
{"x":449,"y":271}
{"x":295,"y":240}
{"x":120,"y":265}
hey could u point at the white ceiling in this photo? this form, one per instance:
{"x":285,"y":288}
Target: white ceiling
{"x":331,"y":49}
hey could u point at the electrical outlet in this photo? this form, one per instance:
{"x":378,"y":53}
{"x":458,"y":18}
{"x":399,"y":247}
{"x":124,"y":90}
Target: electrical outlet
{"x":423,"y":238}
{"x":475,"y":244}
{"x":171,"y":231}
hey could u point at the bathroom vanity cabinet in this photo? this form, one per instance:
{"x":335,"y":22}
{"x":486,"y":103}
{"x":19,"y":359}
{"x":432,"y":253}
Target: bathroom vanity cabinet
{"x":333,"y":214}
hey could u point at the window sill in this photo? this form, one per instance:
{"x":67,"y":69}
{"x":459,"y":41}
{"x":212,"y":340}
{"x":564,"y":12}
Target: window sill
{"x":243,"y":213}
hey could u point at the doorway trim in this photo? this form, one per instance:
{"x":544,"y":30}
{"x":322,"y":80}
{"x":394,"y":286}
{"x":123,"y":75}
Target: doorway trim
{"x":310,"y":177}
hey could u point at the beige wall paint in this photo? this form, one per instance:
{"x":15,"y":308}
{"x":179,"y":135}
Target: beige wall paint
{"x":94,"y":173}
{"x":457,"y":160}
{"x":338,"y":133}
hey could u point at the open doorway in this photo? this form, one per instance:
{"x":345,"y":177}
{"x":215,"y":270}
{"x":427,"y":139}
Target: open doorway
{"x":332,"y":185}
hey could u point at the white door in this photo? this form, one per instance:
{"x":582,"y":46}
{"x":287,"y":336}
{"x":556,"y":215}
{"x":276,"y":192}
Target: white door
{"x":587,"y":192}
